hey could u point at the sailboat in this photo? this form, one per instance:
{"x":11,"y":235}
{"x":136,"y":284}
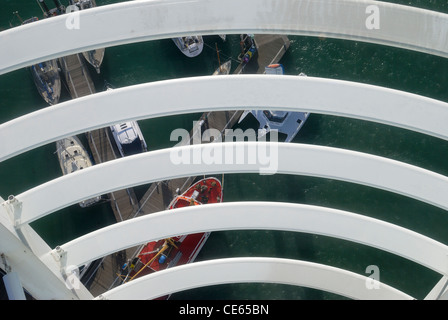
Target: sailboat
{"x":94,"y":57}
{"x":73,"y":157}
{"x":178,"y":250}
{"x":191,"y":46}
{"x":45,"y":75}
{"x":223,"y":68}
{"x":288,"y":123}
{"x":47,"y":79}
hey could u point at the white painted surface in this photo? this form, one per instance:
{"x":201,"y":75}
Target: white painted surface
{"x":259,"y":216}
{"x":42,"y":281}
{"x":266,"y":270}
{"x":299,"y":159}
{"x":135,"y":21}
{"x":202,"y":94}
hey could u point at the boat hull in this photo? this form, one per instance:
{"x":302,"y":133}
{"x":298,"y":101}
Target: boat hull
{"x":223,"y":69}
{"x":182,"y":249}
{"x":72,"y":157}
{"x":129,"y":138}
{"x":47,"y":79}
{"x":190,"y":46}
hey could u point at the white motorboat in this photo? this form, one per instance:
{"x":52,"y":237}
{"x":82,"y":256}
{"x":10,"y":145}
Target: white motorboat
{"x":73,"y":157}
{"x":288,"y":123}
{"x":191,"y":46}
{"x":129,"y":138}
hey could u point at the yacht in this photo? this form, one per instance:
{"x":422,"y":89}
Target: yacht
{"x":94,"y":57}
{"x":129,"y":138}
{"x":288,"y":123}
{"x":73,"y":157}
{"x":46,"y":76}
{"x":191,"y":46}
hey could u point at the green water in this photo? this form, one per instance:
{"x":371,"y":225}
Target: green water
{"x":354,"y":61}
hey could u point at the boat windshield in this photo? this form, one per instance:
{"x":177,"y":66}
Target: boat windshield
{"x":279,"y":116}
{"x":134,"y":147}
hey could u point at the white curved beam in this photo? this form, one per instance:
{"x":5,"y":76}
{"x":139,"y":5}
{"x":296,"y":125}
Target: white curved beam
{"x":134,"y":21}
{"x":266,"y":270}
{"x":259,"y":216}
{"x":284,"y":158}
{"x":202,"y":94}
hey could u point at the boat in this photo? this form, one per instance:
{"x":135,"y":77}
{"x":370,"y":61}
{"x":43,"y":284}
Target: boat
{"x":46,"y":76}
{"x":223,"y":69}
{"x":248,"y":48}
{"x":73,"y":157}
{"x":128,"y":138}
{"x":47,"y":79}
{"x":178,"y":250}
{"x":191,"y":46}
{"x":47,"y":12}
{"x":94,"y":57}
{"x":288,"y":123}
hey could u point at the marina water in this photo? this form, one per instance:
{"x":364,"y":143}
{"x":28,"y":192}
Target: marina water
{"x":318,"y":57}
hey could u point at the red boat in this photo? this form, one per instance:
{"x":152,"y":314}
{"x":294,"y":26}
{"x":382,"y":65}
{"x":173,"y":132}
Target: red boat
{"x":166,"y":253}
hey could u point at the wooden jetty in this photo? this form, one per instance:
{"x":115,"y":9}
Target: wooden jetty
{"x":79,"y":84}
{"x":270,"y":49}
{"x":77,"y":77}
{"x":104,"y":273}
{"x":124,"y":203}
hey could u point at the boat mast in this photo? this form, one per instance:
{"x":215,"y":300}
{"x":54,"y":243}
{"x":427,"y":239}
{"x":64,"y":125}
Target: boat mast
{"x":219,"y":61}
{"x":59,"y":6}
{"x":44,"y":8}
{"x":16,"y":13}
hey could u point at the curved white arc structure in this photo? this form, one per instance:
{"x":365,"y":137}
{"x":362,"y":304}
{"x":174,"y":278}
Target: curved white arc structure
{"x":284,"y":158}
{"x":135,"y":21}
{"x":171,"y":97}
{"x":259,"y":216}
{"x":265,"y":270}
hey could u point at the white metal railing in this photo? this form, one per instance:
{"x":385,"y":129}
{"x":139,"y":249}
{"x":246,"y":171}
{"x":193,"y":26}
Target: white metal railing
{"x":266,"y":270}
{"x":293,"y":93}
{"x":135,"y":21}
{"x":286,"y":158}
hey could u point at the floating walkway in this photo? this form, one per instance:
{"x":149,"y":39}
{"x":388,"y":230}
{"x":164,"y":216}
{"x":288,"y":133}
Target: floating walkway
{"x":80,"y":84}
{"x":124,"y":202}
